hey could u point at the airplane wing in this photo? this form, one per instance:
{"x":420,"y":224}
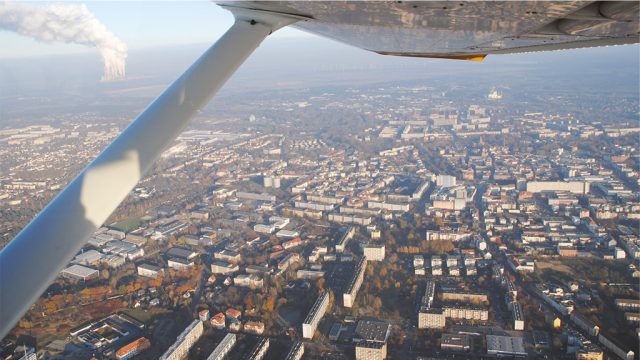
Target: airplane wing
{"x":463,"y":29}
{"x":457,"y":30}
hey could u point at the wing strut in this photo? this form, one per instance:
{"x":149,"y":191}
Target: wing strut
{"x":35,"y":257}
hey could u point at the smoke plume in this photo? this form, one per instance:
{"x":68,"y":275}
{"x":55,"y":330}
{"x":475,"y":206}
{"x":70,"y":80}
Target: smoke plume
{"x":70,"y":23}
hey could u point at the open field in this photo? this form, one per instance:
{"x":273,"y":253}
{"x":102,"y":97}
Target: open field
{"x":553,"y":265}
{"x":589,"y":270}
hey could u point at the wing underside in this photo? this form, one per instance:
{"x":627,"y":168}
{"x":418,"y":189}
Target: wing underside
{"x":463,"y":29}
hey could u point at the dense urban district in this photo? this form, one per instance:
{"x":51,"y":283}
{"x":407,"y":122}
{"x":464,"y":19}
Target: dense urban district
{"x":386,"y":221}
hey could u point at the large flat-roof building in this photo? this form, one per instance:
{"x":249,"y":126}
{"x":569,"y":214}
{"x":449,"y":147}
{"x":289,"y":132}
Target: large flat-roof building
{"x":260,"y":350}
{"x":371,"y":338}
{"x":336,"y":200}
{"x":181,"y":253}
{"x":228,"y":256}
{"x":576,"y":187}
{"x":349,"y":296}
{"x":429,"y":293}
{"x":124,"y":249}
{"x":341,"y":245}
{"x":133,"y":348}
{"x":288,"y":260}
{"x":150,"y":270}
{"x":518,"y":317}
{"x":372,"y":330}
{"x":628,"y":304}
{"x":223,"y":348}
{"x":428,"y":317}
{"x":180,"y":264}
{"x":180,"y":348}
{"x":431,"y":318}
{"x":505,"y":346}
{"x":171,"y":228}
{"x":355,"y":219}
{"x":373,"y":252}
{"x":255,"y":196}
{"x":316,"y":313}
{"x":455,"y":342}
{"x":79,"y":272}
{"x":135,"y":239}
{"x":467,"y":312}
{"x":223,"y":267}
{"x":89,"y":257}
{"x":314,"y":206}
{"x":250,"y":280}
{"x":264,"y":229}
{"x":367,"y":350}
{"x":257,"y":269}
{"x":296,"y":352}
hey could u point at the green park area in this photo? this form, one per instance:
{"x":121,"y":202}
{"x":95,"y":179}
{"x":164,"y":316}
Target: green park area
{"x":129,"y":224}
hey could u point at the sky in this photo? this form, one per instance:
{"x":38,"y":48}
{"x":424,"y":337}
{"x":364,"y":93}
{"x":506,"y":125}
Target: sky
{"x":141,"y":25}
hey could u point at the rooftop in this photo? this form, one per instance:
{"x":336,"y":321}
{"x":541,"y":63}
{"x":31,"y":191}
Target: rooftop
{"x":178,"y":252}
{"x":372,"y":330}
{"x":455,"y":340}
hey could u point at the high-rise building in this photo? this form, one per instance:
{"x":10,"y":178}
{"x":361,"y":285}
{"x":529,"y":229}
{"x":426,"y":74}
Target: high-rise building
{"x":367,"y":350}
{"x":180,"y":348}
{"x":431,"y":318}
{"x":349,"y":296}
{"x":371,"y":337}
{"x":344,"y":239}
{"x":446,"y":181}
{"x":296,"y":352}
{"x":223,"y":348}
{"x":260,"y":350}
{"x":518,"y":317}
{"x":373,"y":252}
{"x":318,"y":309}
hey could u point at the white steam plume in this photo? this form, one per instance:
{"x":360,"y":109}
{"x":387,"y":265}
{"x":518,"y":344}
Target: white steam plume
{"x":70,"y":23}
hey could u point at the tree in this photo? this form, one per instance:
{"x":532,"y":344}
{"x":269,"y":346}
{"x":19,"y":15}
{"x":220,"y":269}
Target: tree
{"x":51,"y":307}
{"x":377,"y":303}
{"x":248,"y":302}
{"x":104,"y":273}
{"x":377,"y":284}
{"x":331,"y":300}
{"x":25,"y":324}
{"x":442,"y":246}
{"x":281,"y":301}
{"x":269,"y":305}
{"x":370,"y":270}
